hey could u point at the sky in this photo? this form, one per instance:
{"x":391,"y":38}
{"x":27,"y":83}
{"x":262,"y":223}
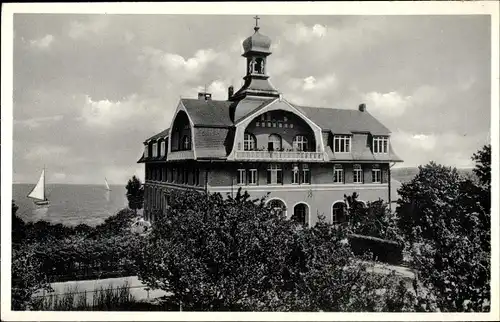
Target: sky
{"x":89,"y":89}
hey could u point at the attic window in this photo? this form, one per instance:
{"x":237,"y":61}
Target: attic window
{"x":380,"y":144}
{"x":146,"y":150}
{"x":155,"y":150}
{"x":342,"y":143}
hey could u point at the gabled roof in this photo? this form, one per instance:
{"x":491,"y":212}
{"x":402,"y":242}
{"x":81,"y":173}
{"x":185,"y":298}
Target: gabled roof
{"x":208,"y":112}
{"x":344,"y":120}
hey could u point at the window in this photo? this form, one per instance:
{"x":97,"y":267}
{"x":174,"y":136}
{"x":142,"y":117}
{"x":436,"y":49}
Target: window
{"x":380,"y":144}
{"x":146,"y":150}
{"x":358,"y":173}
{"x":197,"y":177}
{"x":162,"y":148}
{"x":300,"y":214}
{"x":186,"y":143}
{"x":249,"y":142}
{"x":179,"y":175}
{"x":277,"y":206}
{"x":274,"y":174}
{"x":339,"y":213}
{"x":376,"y":177}
{"x":155,"y":150}
{"x":338,"y":174}
{"x":306,"y":175}
{"x":300,"y":143}
{"x":252,"y":176}
{"x":240,"y":178}
{"x":342,"y":143}
{"x":295,"y":174}
{"x":274,"y":142}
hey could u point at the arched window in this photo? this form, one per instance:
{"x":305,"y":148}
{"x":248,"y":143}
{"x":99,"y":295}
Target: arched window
{"x":274,"y":142}
{"x":186,"y":142}
{"x":301,"y":214}
{"x":278,"y":206}
{"x":300,"y":143}
{"x":339,"y":212}
{"x":249,"y":142}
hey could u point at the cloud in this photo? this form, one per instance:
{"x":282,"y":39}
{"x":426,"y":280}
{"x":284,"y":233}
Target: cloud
{"x":106,"y":113}
{"x":39,"y":153}
{"x":42,"y":43}
{"x":390,"y":104}
{"x":93,"y":26}
{"x":38,"y":121}
{"x":303,"y":34}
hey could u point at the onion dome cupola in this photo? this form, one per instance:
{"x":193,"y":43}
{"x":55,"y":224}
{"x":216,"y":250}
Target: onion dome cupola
{"x":256,"y":48}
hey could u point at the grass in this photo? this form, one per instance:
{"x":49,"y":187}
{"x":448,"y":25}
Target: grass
{"x":103,"y":299}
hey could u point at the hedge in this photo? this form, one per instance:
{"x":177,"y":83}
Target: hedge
{"x":383,"y":250}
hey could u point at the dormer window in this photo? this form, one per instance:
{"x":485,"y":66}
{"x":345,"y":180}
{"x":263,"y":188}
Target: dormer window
{"x":342,"y":143}
{"x":162,"y":148}
{"x":146,"y":151}
{"x":380,"y":144}
{"x":155,"y":150}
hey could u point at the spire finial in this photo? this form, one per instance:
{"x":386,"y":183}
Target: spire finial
{"x":256,"y":23}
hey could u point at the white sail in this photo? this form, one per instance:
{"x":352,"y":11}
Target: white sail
{"x":38,"y":191}
{"x":107,"y":185}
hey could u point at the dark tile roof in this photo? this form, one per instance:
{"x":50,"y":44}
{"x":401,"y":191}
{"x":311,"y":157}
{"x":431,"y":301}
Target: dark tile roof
{"x":162,"y":134}
{"x":344,"y":120}
{"x":208,"y":112}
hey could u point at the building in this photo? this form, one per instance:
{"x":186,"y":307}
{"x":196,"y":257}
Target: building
{"x":307,"y":158}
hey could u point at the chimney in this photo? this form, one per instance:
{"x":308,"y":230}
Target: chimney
{"x":362,"y":107}
{"x":230,"y":92}
{"x":204,"y":96}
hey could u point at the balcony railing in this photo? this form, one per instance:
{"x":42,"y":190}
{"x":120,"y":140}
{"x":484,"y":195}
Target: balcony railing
{"x":279,"y":155}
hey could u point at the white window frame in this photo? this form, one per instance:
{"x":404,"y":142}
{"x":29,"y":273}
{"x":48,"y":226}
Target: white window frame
{"x":342,"y":143}
{"x":249,"y":142}
{"x":306,"y":174}
{"x":338,"y":172}
{"x":295,"y":174}
{"x":357,"y":173}
{"x":186,"y":142}
{"x":162,"y":148}
{"x":300,"y":143}
{"x":240,"y":178}
{"x":252,"y":177}
{"x":380,"y":144}
{"x":274,"y":172}
{"x":376,"y":171}
{"x":155,"y":150}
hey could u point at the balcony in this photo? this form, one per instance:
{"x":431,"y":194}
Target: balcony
{"x":278,"y":156}
{"x":180,"y":155}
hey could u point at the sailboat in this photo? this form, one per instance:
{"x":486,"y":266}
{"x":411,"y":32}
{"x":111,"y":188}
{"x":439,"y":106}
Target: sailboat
{"x":38,"y":193}
{"x":107,"y":185}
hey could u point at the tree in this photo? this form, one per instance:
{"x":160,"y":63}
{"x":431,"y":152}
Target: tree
{"x":483,"y":164}
{"x":18,"y":226}
{"x":135,"y":194}
{"x":446,"y":220}
{"x":215,"y":253}
{"x":27,"y":276}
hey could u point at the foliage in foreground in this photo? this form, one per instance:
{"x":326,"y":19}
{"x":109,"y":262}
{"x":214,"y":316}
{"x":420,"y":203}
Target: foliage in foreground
{"x":101,"y":299}
{"x":446,"y":220}
{"x":236,"y":254}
